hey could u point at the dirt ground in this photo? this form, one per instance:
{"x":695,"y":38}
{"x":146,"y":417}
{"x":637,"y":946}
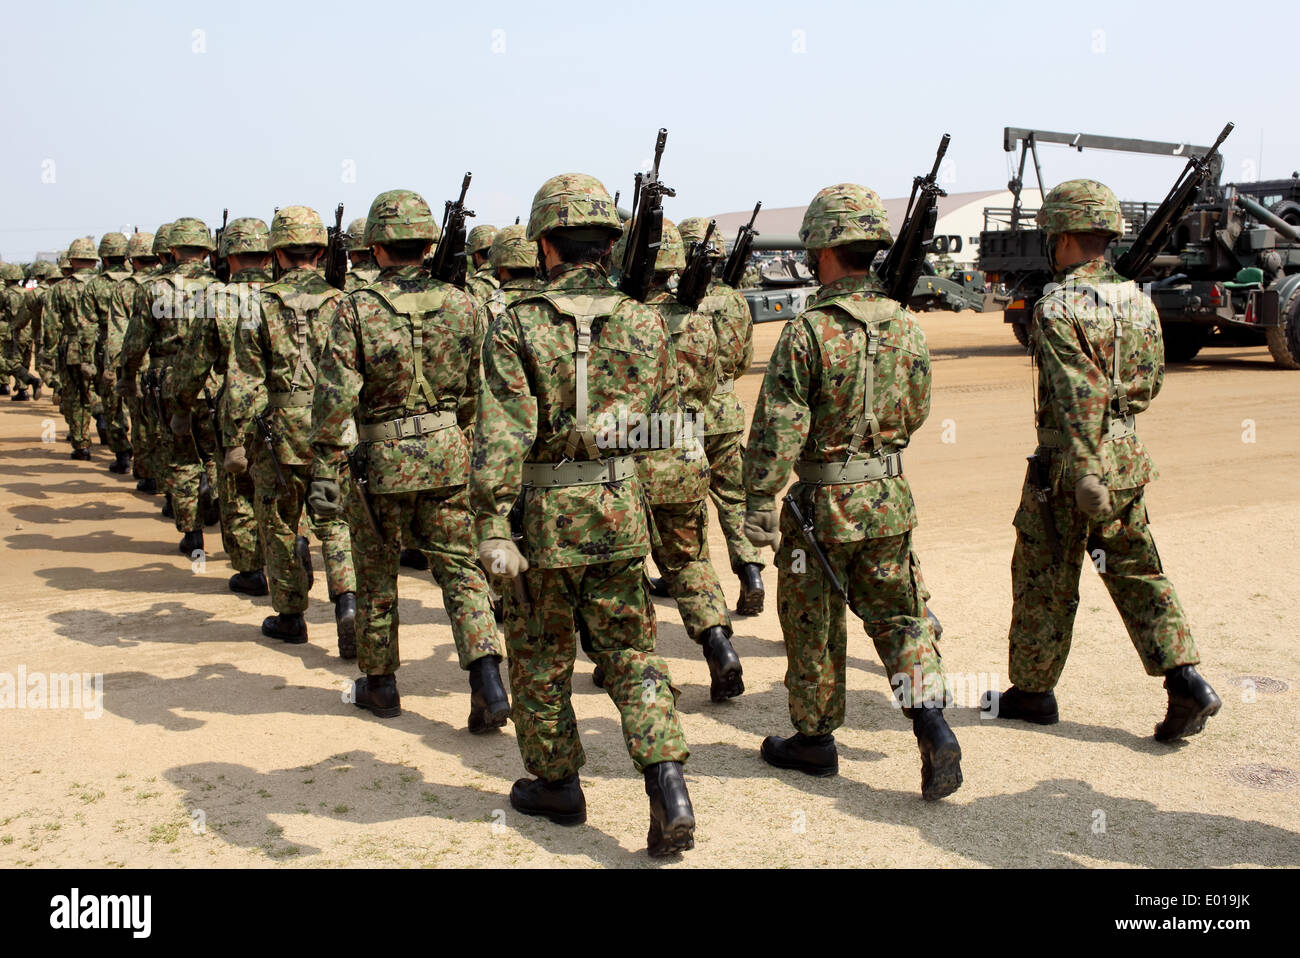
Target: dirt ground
{"x":217,"y":747}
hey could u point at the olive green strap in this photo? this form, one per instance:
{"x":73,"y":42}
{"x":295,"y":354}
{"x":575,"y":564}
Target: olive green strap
{"x":415,"y":307}
{"x":872,"y":314}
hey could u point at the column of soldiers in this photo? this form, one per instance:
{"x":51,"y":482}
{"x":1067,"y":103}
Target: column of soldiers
{"x":485,"y":430}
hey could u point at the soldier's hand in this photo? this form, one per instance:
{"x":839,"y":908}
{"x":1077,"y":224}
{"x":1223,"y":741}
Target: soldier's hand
{"x":324,"y":498}
{"x":108,"y":380}
{"x":180,"y":423}
{"x":128,"y":387}
{"x":236,"y":462}
{"x":502,"y":557}
{"x":1092,"y":498}
{"x":89,"y":372}
{"x":762,"y":527}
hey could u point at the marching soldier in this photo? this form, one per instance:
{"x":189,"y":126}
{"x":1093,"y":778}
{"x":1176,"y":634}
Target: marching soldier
{"x":145,"y":264}
{"x":268,"y":398}
{"x":514,"y":261}
{"x":552,"y":365}
{"x":403,"y":360}
{"x":363,"y":271}
{"x":103,"y":306}
{"x":29,"y":332}
{"x":77,"y":373}
{"x":1097,"y":344}
{"x":480,"y":276}
{"x":847,"y":386}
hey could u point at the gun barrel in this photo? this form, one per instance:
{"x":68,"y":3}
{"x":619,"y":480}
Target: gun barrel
{"x":1267,"y":216}
{"x":660,"y":142}
{"x":938,"y":157}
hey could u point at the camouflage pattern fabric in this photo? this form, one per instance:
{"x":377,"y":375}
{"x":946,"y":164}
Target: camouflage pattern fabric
{"x":586,"y":545}
{"x":507,"y":294}
{"x":482,"y":283}
{"x":359,"y":277}
{"x":419,"y":483}
{"x":132,"y":295}
{"x":811,"y":400}
{"x":1073,"y":340}
{"x":1080,"y":206}
{"x":25,"y":333}
{"x":76,"y":347}
{"x":102,"y":307}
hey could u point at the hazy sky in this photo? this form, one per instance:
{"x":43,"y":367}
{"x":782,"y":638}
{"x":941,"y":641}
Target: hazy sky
{"x":140,"y":112}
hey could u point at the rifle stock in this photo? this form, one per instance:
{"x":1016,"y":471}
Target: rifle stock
{"x":694,"y":280}
{"x":336,"y":252}
{"x":735,"y":267}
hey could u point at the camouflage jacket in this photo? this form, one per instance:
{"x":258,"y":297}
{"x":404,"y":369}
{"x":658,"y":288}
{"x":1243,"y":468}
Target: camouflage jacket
{"x":274,"y":357}
{"x":527,"y":409}
{"x":734,"y":325}
{"x":45,"y":332}
{"x":26,"y":311}
{"x":76,"y":335}
{"x":205,"y":359}
{"x":11,"y":310}
{"x":676,"y":469}
{"x":813,"y":395}
{"x":102,"y":308}
{"x":505,"y":295}
{"x":162,"y":312}
{"x":368,"y":373}
{"x":482,"y":282}
{"x":358,"y":277}
{"x":1073,"y":340}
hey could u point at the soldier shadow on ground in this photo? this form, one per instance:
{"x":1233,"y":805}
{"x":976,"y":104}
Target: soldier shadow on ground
{"x":357,"y":788}
{"x":1012,"y":350}
{"x":97,"y":542}
{"x":1204,"y":363}
{"x":43,"y":490}
{"x":162,"y":622}
{"x":89,"y":512}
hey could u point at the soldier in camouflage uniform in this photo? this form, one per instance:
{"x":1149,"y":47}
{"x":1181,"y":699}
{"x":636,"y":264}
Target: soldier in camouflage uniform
{"x":272,"y":375}
{"x":403,"y":359}
{"x":1097,"y":344}
{"x":77,"y":372}
{"x":15,"y":349}
{"x":724,"y":431}
{"x":481,"y":278}
{"x":363,"y":271}
{"x":29,"y":330}
{"x":102,"y":304}
{"x":49,"y":361}
{"x":552,"y":365}
{"x":846,"y":388}
{"x":514,"y":261}
{"x":200,"y":378}
{"x":163,"y":311}
{"x":145,"y":265}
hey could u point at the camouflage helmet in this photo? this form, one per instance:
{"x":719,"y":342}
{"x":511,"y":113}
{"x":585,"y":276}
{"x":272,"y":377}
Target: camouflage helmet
{"x":112,"y":245}
{"x":511,"y":249}
{"x":693,"y":230}
{"x":190,"y":231}
{"x":297,"y":226}
{"x":672,"y":255}
{"x":397,"y":215}
{"x":140,"y":244}
{"x":160,"y":244}
{"x":247,"y":234}
{"x":357,"y":233}
{"x":83,"y":247}
{"x":480,"y":239}
{"x":65,"y":262}
{"x":572,"y":200}
{"x":1081,"y":206}
{"x":843,"y":214}
{"x":43,"y":269}
{"x":11,"y":272}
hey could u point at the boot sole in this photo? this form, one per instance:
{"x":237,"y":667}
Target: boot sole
{"x":1051,"y":719}
{"x":752,"y":606}
{"x":944,"y":768}
{"x":727,"y":687}
{"x":1195,"y":726}
{"x":256,"y":592}
{"x":482,"y":720}
{"x":567,"y":819}
{"x":679,"y":837}
{"x":388,"y":711}
{"x":347,"y":630}
{"x":817,"y":771}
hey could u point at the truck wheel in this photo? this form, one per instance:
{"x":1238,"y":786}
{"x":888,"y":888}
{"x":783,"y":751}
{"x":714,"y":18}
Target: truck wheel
{"x":1022,"y":334}
{"x":1182,"y":342}
{"x":1284,"y":340}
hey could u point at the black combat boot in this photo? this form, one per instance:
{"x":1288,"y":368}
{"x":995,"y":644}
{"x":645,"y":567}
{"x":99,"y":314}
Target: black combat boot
{"x":249,"y":583}
{"x":148,"y":486}
{"x":934,"y":620}
{"x":658,"y":587}
{"x":101,"y":427}
{"x":209,"y":506}
{"x":120,"y":464}
{"x":302,"y":545}
{"x":1037,"y":707}
{"x":288,"y":627}
{"x":377,"y":694}
{"x":1191,"y":702}
{"x":751,"y":589}
{"x":414,"y":559}
{"x":20,"y":396}
{"x":672,"y":820}
{"x":562,"y":802}
{"x":345,"y":621}
{"x":168,"y":512}
{"x":489,"y":707}
{"x":940,"y":754}
{"x":82,"y":454}
{"x":725,"y":672}
{"x":36,"y":389}
{"x":191,"y":543}
{"x":4,"y":389}
{"x":598,"y":677}
{"x":810,"y":754}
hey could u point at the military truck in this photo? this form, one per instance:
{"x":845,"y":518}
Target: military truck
{"x":1229,"y":276}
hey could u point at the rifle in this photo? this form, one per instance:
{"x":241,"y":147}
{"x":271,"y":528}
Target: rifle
{"x":220,"y":265}
{"x":270,"y":438}
{"x":694,"y":280}
{"x":448,"y":260}
{"x":902,"y":266}
{"x":336,"y":252}
{"x":516,"y":520}
{"x":1157,"y":230}
{"x":735,"y":267}
{"x":1040,"y":481}
{"x":645,"y":229}
{"x":276,"y":271}
{"x":806,"y":527}
{"x":360,"y":469}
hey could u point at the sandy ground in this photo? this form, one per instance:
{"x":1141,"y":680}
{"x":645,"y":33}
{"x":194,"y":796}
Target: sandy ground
{"x":217,"y":747}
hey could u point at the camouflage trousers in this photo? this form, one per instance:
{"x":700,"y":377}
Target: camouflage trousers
{"x":186,"y":461}
{"x":726,"y":455}
{"x":613,"y":598}
{"x":681,"y":551}
{"x":18,"y":359}
{"x":76,"y":403}
{"x":279,"y":516}
{"x":119,"y":428}
{"x":239,"y":533}
{"x":884,"y":583}
{"x":1045,"y":593}
{"x":144,"y":438}
{"x":439,"y":523}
